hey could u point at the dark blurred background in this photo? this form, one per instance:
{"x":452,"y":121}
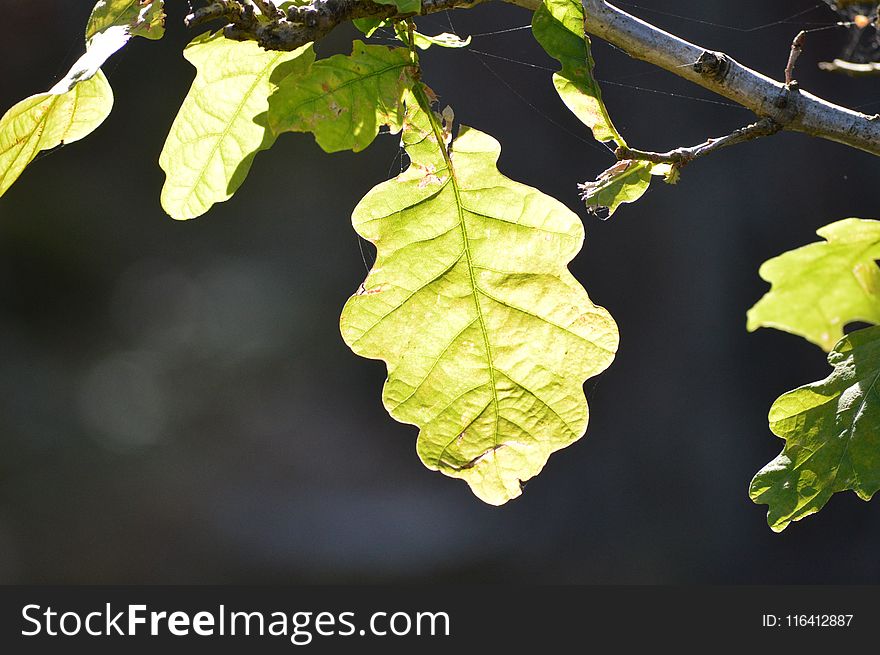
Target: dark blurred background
{"x":177,"y":406}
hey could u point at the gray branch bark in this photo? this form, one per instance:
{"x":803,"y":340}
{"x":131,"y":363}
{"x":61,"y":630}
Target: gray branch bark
{"x":790,"y":107}
{"x":681,"y":157}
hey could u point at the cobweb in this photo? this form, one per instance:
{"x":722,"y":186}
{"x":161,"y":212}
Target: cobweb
{"x":489,"y":50}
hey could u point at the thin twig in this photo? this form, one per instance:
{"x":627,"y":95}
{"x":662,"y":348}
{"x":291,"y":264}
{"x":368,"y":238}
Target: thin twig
{"x":681,"y":157}
{"x":797,"y":47}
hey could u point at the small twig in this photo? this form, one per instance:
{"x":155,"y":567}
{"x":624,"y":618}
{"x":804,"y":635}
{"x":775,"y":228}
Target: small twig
{"x":797,"y":47}
{"x":681,"y":157}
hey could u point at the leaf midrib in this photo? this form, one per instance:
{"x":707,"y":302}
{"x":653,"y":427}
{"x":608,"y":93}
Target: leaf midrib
{"x":200,"y":179}
{"x":468,"y":256}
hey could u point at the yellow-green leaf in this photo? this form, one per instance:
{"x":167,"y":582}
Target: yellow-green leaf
{"x":820,"y":288}
{"x":487,"y":336}
{"x":82,"y":99}
{"x":626,"y":181}
{"x":832,"y":435}
{"x":222,"y":124}
{"x":111,"y":25}
{"x":144,"y":18}
{"x":48,"y":120}
{"x":344,"y":100}
{"x":558,"y":25}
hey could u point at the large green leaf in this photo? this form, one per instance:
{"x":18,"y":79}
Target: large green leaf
{"x":48,"y":120}
{"x":111,"y":25}
{"x":344,"y":100}
{"x":817,"y":289}
{"x":558,"y":25}
{"x":487,"y":336}
{"x":222,"y":124}
{"x":625,"y":182}
{"x":832,"y":433}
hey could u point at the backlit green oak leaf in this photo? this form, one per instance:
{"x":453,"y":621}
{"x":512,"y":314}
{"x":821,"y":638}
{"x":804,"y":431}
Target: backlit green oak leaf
{"x":832,"y":433}
{"x":344,"y":100}
{"x":222,"y":123}
{"x":144,"y":18}
{"x":48,"y":120}
{"x":487,"y":336}
{"x":820,"y":288}
{"x":111,"y":25}
{"x":79,"y":102}
{"x":558,"y":25}
{"x":625,"y":182}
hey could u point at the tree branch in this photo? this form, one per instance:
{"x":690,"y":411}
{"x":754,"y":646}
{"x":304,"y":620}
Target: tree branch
{"x":787,"y":106}
{"x":792,"y":108}
{"x":681,"y":157}
{"x":304,"y":24}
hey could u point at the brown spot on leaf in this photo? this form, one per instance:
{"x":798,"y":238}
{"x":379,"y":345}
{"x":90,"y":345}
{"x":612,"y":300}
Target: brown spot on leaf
{"x":432,"y":97}
{"x":430,"y":176}
{"x":363,"y":291}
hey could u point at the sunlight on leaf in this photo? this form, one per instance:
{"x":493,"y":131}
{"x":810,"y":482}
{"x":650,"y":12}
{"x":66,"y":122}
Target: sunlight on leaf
{"x":222,"y":124}
{"x":344,"y":100}
{"x":832,"y":435}
{"x":82,"y":99}
{"x":820,"y":288}
{"x":48,"y":120}
{"x":111,"y":25}
{"x":487,"y":336}
{"x":558,"y":25}
{"x":144,"y":18}
{"x":626,"y":181}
